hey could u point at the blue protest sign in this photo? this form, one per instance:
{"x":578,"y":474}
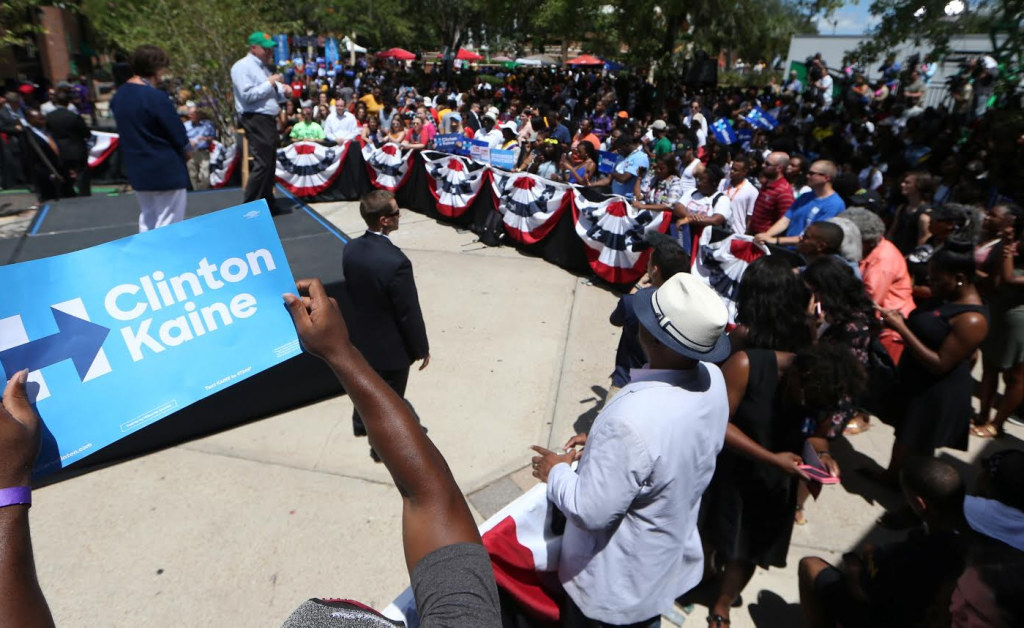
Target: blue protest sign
{"x":480,"y":151}
{"x":745,"y":136}
{"x":452,"y":143}
{"x":761,"y":119}
{"x":504,"y":159}
{"x":281,"y":49}
{"x":123,"y":334}
{"x":724,"y":132}
{"x":606,"y":161}
{"x":331,"y":51}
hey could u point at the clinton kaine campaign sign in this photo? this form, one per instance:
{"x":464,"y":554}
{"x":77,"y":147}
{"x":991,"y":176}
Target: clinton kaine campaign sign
{"x":123,"y":334}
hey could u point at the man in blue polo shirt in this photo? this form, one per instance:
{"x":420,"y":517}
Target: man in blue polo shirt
{"x":821,"y":203}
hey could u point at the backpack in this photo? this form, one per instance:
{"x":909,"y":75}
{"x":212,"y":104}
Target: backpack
{"x":492,"y":232}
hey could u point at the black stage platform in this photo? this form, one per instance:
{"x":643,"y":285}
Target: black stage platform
{"x":313,"y":247}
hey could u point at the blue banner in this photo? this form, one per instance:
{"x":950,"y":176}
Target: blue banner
{"x":121,"y":335}
{"x":452,"y":143}
{"x":281,"y":50}
{"x":331,"y":51}
{"x":606,"y":161}
{"x":761,"y":119}
{"x":745,"y":137}
{"x":724,"y":132}
{"x":504,"y":159}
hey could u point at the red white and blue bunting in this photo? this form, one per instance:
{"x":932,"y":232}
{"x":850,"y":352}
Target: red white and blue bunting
{"x":454,"y":181}
{"x":101,"y":144}
{"x":721,"y":265}
{"x":223,"y":160}
{"x":613,"y":232}
{"x":388,"y":165}
{"x":308,"y":168}
{"x":530,"y":206}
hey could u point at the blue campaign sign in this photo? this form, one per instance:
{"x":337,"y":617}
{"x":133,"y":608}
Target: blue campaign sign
{"x":745,"y":136}
{"x":504,"y":159}
{"x":331,"y":51}
{"x":480,"y":151}
{"x":606,"y":161}
{"x":280,"y":50}
{"x":123,"y":334}
{"x":452,"y":143}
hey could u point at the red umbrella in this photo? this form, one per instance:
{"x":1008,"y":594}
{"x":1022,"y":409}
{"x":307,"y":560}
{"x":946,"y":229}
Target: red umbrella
{"x":585,"y":60}
{"x":467,"y":55}
{"x":396,"y":53}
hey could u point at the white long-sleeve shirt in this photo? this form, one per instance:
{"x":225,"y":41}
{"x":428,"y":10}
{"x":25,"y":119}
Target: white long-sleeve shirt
{"x":631,"y":544}
{"x":340,"y":128}
{"x":253,"y":92}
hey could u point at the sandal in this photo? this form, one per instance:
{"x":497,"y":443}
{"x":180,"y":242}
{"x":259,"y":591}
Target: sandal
{"x":987,"y":431}
{"x":798,"y":516}
{"x":717,"y":621}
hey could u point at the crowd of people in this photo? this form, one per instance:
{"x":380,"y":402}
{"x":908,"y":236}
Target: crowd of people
{"x":895,"y":265}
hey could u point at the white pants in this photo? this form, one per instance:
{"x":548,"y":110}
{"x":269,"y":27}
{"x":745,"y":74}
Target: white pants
{"x":160,"y":208}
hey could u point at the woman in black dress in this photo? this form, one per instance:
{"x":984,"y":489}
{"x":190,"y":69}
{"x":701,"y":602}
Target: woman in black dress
{"x":777,"y":402}
{"x":935,"y":369}
{"x":773,"y":308}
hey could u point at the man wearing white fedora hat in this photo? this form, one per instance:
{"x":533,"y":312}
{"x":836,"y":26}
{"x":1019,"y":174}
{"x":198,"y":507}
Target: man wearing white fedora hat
{"x":631,"y":544}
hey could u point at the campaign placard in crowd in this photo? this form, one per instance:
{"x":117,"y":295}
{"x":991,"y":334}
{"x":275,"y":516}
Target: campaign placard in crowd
{"x":504,"y":159}
{"x":123,"y":334}
{"x":452,"y":143}
{"x":606,"y":161}
{"x":480,"y":151}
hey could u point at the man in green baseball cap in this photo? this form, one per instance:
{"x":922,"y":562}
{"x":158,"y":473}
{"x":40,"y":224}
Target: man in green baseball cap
{"x":261,"y":39}
{"x":258,"y":93}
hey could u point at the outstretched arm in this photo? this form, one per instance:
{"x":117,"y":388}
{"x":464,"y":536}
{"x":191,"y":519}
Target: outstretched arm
{"x":21,"y":600}
{"x":435,"y":513}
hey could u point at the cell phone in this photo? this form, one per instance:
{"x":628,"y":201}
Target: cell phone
{"x":818,"y":475}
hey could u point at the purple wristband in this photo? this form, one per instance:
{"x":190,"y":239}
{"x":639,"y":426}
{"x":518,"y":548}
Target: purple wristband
{"x":15,"y":495}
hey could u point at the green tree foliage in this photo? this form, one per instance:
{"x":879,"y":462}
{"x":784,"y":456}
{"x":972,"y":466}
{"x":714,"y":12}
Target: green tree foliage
{"x":924,"y":23}
{"x":652,"y":30}
{"x":16,"y":28}
{"x":202,"y":38}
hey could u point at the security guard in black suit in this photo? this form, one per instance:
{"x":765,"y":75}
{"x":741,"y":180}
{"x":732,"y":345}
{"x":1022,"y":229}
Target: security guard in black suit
{"x":387,"y":323}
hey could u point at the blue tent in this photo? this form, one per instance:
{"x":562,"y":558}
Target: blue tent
{"x":613,"y":66}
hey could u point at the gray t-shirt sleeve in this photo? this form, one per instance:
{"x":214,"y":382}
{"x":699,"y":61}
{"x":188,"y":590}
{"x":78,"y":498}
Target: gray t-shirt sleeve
{"x":454,"y":588}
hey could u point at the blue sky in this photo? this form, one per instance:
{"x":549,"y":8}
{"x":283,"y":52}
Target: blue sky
{"x":852,"y":19}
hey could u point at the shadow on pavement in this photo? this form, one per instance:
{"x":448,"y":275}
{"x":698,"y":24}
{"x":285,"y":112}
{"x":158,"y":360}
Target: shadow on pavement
{"x":584,"y":421}
{"x":770,"y":611}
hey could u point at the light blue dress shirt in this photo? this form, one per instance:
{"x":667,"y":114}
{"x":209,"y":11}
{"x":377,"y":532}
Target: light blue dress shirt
{"x":253,"y":92}
{"x":631,"y":544}
{"x":203,"y":129}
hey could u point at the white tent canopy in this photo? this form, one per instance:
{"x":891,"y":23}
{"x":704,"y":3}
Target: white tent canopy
{"x":351,"y":46}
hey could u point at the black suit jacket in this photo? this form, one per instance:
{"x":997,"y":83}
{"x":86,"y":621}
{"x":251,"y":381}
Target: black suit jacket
{"x":387,"y":324}
{"x":72,"y":135}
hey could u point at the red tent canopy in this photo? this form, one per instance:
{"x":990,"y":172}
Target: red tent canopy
{"x":396,"y":53}
{"x":585,"y":60}
{"x":467,"y":55}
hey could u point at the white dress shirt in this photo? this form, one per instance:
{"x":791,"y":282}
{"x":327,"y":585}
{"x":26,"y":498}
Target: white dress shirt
{"x":341,"y":128}
{"x":631,"y":544}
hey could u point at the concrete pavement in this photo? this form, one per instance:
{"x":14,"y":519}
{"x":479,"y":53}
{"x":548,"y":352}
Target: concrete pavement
{"x":239,"y":528}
